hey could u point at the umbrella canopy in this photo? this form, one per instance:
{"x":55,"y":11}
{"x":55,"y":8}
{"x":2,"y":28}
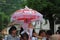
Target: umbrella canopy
{"x":26,"y":14}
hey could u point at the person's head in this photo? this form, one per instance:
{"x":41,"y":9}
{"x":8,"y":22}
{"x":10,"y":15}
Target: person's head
{"x":13,"y":30}
{"x":24,"y":36}
{"x":34,"y":33}
{"x":49,"y":33}
{"x":59,"y":28}
{"x":58,"y":32}
{"x":42,"y":33}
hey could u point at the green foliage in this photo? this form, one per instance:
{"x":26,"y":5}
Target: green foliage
{"x":4,"y":20}
{"x":7,"y":7}
{"x":45,"y":6}
{"x":37,"y":4}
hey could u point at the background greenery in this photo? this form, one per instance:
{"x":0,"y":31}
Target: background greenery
{"x":47,"y":7}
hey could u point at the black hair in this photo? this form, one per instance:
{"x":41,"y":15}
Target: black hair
{"x":58,"y":28}
{"x":24,"y":35}
{"x":41,"y":31}
{"x":21,"y":30}
{"x":34,"y":31}
{"x":58,"y":31}
{"x":11,"y":29}
{"x":49,"y":32}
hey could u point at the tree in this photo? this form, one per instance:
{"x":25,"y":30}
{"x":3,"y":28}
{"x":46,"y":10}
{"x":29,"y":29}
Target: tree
{"x":7,"y":7}
{"x":47,"y":8}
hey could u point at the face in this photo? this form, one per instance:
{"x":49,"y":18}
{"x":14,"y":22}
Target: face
{"x":25,"y":38}
{"x":14,"y":32}
{"x":34,"y":34}
{"x":48,"y":36}
{"x":43,"y":34}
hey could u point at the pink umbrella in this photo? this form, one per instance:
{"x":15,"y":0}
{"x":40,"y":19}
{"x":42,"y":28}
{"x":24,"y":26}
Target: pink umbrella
{"x":26,"y":14}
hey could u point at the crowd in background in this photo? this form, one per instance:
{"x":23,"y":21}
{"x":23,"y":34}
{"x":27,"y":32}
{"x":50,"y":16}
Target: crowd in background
{"x":43,"y":35}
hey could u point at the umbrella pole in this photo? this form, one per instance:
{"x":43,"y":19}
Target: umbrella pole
{"x":40,"y":25}
{"x":35,"y":24}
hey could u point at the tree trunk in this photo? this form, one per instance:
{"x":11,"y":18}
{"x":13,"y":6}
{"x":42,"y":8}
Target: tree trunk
{"x":51,"y":21}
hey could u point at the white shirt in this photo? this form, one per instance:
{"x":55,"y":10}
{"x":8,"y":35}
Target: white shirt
{"x":34,"y":38}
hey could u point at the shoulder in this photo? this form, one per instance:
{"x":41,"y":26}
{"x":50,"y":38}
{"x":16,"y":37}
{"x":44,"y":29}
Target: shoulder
{"x":18,"y":38}
{"x":6,"y":37}
{"x":55,"y":37}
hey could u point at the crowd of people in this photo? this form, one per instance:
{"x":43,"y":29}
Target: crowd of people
{"x":43,"y":35}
